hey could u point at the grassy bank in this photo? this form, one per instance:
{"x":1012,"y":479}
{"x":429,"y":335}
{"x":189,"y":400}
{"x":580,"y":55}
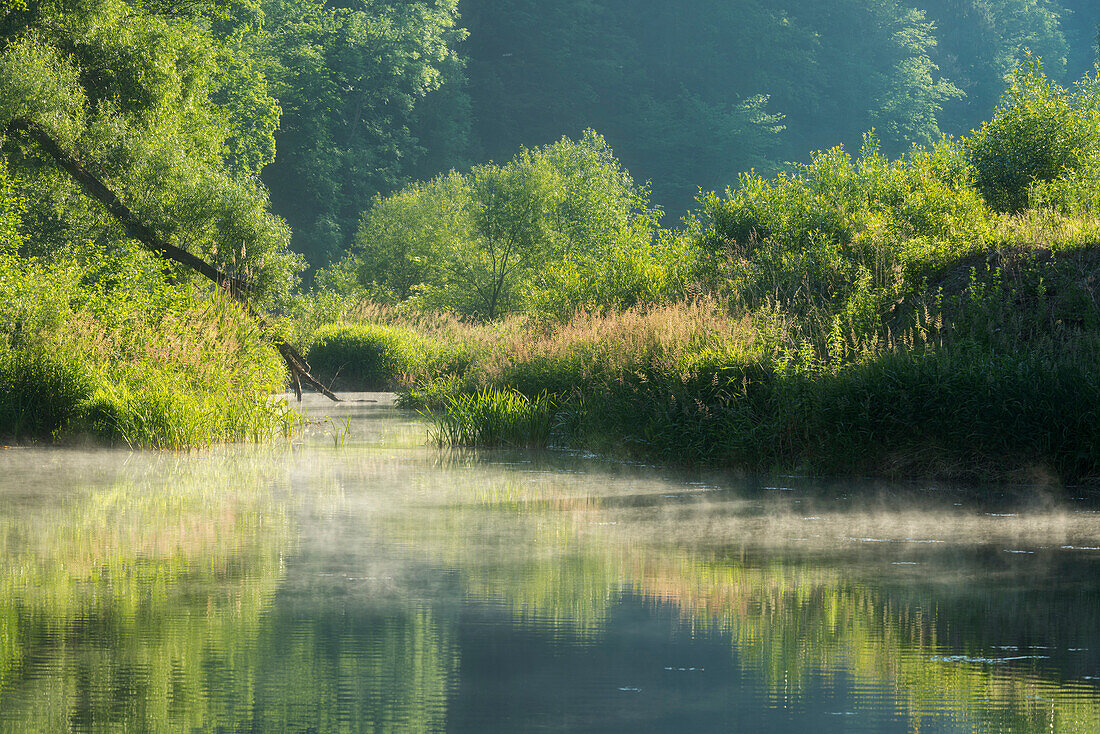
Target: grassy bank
{"x":980,"y":365}
{"x":145,"y":363}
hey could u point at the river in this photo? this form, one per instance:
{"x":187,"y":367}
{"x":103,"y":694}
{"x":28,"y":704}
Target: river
{"x":358,"y":579}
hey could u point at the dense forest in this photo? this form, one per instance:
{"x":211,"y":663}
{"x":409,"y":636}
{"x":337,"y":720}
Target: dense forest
{"x":710,"y":232}
{"x":334,"y":103}
{"x":689,"y":94}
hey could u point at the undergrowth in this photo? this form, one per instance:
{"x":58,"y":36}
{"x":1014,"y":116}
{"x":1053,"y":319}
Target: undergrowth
{"x":146,"y":363}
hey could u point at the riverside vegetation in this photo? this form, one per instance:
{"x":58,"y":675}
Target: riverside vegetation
{"x":932,"y":312}
{"x":933,"y":315}
{"x":150,"y":364}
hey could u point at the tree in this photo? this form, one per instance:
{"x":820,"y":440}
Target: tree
{"x":693,"y":93}
{"x":402,"y":240}
{"x":1040,"y":132}
{"x":110,"y":111}
{"x":142,"y":95}
{"x":350,"y":78}
{"x":490,"y":242}
{"x":979,"y":43}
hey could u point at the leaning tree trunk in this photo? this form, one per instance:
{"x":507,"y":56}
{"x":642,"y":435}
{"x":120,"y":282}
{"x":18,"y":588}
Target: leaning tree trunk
{"x":94,"y":187}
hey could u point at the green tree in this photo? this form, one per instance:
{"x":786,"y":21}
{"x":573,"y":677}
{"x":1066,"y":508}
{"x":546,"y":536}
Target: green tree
{"x":350,"y":78}
{"x":1040,"y":132}
{"x":402,"y":238}
{"x":497,"y":239}
{"x":512,"y":232}
{"x":151,"y":99}
{"x":676,"y":88}
{"x":980,"y":42}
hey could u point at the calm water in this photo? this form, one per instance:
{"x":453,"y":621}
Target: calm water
{"x":362,"y":581}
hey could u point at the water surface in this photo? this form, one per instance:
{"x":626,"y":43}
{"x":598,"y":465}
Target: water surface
{"x":360,"y":580}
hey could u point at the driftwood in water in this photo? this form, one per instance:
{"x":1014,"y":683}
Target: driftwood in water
{"x":94,"y":187}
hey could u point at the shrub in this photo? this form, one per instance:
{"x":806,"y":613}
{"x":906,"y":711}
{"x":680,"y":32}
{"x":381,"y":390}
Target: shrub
{"x":366,"y":356}
{"x":834,"y":242}
{"x":1039,"y":133}
{"x":100,"y":346}
{"x":41,"y":391}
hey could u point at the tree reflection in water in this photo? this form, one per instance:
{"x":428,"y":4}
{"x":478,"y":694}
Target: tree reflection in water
{"x":333,"y":590}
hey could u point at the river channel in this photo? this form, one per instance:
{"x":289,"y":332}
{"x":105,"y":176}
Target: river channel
{"x":359,"y":579}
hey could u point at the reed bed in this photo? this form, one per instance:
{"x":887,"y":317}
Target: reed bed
{"x":992,"y":378}
{"x":180,"y":371}
{"x":495,"y":416}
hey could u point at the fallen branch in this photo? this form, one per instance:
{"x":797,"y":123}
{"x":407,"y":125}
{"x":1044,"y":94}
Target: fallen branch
{"x":94,"y":187}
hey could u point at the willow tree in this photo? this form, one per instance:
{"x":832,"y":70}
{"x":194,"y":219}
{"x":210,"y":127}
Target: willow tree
{"x":143,"y":123}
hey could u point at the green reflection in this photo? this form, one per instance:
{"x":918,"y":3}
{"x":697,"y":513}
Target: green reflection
{"x":361,"y":671}
{"x":126,"y":606}
{"x":322,"y":590}
{"x":788,"y":621}
{"x":562,"y":560}
{"x":152,"y":602}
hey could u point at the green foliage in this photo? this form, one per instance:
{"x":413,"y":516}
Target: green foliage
{"x":694,"y":93}
{"x":380,"y":92}
{"x":836,"y":241}
{"x":978,"y":43}
{"x":954,"y":412}
{"x":170,"y":113}
{"x":402,"y":241}
{"x":41,"y":391}
{"x":496,"y":417}
{"x":890,"y":322}
{"x":104,"y":343}
{"x":366,"y":356}
{"x":1040,"y":133}
{"x":516,"y":237}
{"x":349,"y":79}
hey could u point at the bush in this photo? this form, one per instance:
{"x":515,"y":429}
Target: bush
{"x":1039,"y":133}
{"x":41,"y":391}
{"x":366,"y":356}
{"x":835,"y":242}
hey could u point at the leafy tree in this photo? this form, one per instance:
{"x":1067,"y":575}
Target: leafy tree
{"x":349,"y":78}
{"x":693,"y":93}
{"x":674,"y":87}
{"x":512,"y":233}
{"x":139,"y":94}
{"x":402,"y":238}
{"x":1040,"y":132}
{"x":980,"y":42}
{"x":497,"y":239}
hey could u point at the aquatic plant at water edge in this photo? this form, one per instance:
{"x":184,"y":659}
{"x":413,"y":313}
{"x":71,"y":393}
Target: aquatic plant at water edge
{"x":496,"y":417}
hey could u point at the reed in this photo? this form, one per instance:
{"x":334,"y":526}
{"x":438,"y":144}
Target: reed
{"x":495,"y":416}
{"x":40,"y":391}
{"x":992,"y":387}
{"x":175,"y":369}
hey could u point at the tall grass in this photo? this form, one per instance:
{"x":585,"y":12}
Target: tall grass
{"x":176,"y":368}
{"x":366,"y":356}
{"x":995,"y":384}
{"x":40,"y":391}
{"x":496,"y":417}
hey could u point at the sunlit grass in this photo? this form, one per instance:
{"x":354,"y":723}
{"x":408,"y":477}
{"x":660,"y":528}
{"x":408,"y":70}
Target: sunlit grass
{"x":496,"y":417}
{"x":181,"y":377}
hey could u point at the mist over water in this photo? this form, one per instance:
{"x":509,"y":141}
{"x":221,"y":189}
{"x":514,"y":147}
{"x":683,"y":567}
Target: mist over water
{"x":359,"y":579}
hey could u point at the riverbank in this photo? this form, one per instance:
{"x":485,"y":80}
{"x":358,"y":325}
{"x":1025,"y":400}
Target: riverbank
{"x":145,"y":363}
{"x":984,"y":371}
{"x":935,"y":314}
